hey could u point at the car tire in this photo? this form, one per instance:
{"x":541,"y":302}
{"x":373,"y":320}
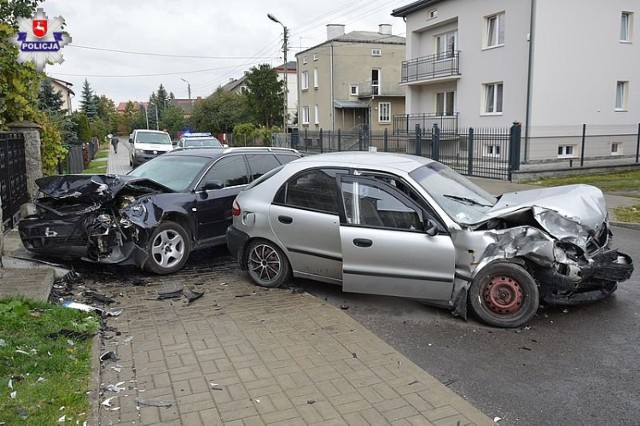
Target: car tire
{"x":168,"y":249}
{"x":504,"y":295}
{"x":266,"y":264}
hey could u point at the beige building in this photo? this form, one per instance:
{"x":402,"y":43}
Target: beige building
{"x":351,"y":81}
{"x":64,"y":89}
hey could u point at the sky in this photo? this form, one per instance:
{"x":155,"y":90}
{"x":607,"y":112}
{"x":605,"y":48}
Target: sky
{"x":127,"y":48}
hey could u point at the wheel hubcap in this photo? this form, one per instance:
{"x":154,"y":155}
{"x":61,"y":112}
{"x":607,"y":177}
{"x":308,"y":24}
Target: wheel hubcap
{"x":168,"y":249}
{"x":503,"y":295}
{"x":264,"y":262}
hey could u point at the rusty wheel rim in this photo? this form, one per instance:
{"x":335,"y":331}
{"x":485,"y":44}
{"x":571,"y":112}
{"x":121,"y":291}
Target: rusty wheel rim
{"x":503,"y":295}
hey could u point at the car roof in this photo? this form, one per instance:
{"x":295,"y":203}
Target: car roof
{"x":148,"y":131}
{"x":365,"y":159}
{"x":214,"y":151}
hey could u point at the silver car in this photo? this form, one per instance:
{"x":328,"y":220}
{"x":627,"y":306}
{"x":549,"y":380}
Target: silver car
{"x":402,"y":225}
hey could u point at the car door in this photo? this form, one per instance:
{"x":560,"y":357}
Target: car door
{"x":305,"y":218}
{"x":385,"y":248}
{"x":214,"y":198}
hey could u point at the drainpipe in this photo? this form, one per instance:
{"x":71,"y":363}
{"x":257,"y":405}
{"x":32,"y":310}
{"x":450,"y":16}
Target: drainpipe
{"x":529,"y":76}
{"x":332,"y":106}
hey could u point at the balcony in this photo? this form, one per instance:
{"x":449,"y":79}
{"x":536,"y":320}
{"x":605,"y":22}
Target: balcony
{"x":442,"y":66}
{"x":404,"y":124}
{"x":369,"y":89}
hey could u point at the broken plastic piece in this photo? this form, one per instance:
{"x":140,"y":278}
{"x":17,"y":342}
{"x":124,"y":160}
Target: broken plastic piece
{"x":98,"y":297}
{"x":192,"y":295}
{"x":154,"y":402}
{"x":108,"y":356}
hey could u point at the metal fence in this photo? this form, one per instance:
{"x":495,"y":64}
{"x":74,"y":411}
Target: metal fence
{"x":79,"y":156}
{"x":13,"y":177}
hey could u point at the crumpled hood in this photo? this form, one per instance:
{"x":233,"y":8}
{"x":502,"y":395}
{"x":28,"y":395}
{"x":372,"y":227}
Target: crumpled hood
{"x":91,"y":187}
{"x":569,"y":212}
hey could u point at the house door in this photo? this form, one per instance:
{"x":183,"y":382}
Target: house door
{"x":375,"y":81}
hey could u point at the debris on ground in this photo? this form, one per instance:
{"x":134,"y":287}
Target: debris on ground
{"x":154,"y":402}
{"x":192,"y":295}
{"x":108,"y":356}
{"x":169,"y":294}
{"x":189,"y":294}
{"x":344,"y":306}
{"x":98,"y":297}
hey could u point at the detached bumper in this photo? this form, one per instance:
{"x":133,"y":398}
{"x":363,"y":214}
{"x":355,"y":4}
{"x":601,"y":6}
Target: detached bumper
{"x":237,"y":243}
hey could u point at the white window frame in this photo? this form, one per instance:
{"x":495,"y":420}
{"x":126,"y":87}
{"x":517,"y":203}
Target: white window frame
{"x":316,"y":114}
{"x":305,"y":115}
{"x":304,"y":60}
{"x":626,"y":27}
{"x":446,"y":45}
{"x":384,"y":112}
{"x":315,"y":78}
{"x":447,"y":99}
{"x":304,"y":80}
{"x":617,"y":148}
{"x":622,"y":95}
{"x":491,"y":151}
{"x":494,"y":30}
{"x":493,"y":98}
{"x":353,"y":90}
{"x":566,"y":151}
{"x":376,"y":52}
{"x":315,"y":56}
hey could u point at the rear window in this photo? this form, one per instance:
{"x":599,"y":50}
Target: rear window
{"x":260,"y":164}
{"x":265,"y":177}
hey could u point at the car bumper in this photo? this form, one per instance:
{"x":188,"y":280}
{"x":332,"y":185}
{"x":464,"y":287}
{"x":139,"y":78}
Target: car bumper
{"x":236,"y":243}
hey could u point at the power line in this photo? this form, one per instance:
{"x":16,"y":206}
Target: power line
{"x":141,"y":75}
{"x":162,"y":54}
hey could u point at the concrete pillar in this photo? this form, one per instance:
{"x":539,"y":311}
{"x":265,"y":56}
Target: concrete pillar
{"x":1,"y":235}
{"x":33,"y":159}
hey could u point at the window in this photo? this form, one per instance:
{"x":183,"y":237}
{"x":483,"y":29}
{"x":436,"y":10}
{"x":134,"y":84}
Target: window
{"x":304,"y":60}
{"x":315,"y":78}
{"x":313,"y":190}
{"x":616,"y":148}
{"x":493,"y":98}
{"x":492,"y":150}
{"x":625,"y":26}
{"x":621,"y":95}
{"x":316,"y":113}
{"x":444,"y":103}
{"x":376,"y":52}
{"x":353,"y":89}
{"x":315,"y":56}
{"x":228,"y":171}
{"x":446,"y":45}
{"x":384,"y":112}
{"x":566,"y":151}
{"x":260,"y":164}
{"x":304,"y":84}
{"x":433,"y":14}
{"x":495,"y":30}
{"x":305,"y":115}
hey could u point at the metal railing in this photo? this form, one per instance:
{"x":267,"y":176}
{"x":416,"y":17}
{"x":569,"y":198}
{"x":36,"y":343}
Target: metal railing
{"x":13,"y":177}
{"x":430,"y":67}
{"x":368,"y":89}
{"x":406,"y":123}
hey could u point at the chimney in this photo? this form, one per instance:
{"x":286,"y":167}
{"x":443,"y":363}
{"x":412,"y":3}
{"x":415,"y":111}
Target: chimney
{"x":334,"y":30}
{"x":384,"y":29}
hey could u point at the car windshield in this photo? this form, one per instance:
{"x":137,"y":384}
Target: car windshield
{"x":149,"y":137}
{"x":175,"y":172}
{"x":189,"y":142}
{"x":461,"y":199}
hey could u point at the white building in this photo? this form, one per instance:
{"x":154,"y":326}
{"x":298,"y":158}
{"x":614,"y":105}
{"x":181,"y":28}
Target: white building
{"x":552,"y":65}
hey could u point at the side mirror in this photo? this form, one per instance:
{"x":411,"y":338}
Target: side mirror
{"x":431,"y":228}
{"x":130,"y":140}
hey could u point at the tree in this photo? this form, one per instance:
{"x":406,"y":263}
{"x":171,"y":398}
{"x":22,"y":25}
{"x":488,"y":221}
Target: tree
{"x":88,"y":104}
{"x":172,"y":119}
{"x":19,"y":83}
{"x":49,"y":100}
{"x":265,"y":95}
{"x":220,"y":112}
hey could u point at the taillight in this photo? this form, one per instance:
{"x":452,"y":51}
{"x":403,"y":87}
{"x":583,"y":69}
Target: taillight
{"x":235,"y":209}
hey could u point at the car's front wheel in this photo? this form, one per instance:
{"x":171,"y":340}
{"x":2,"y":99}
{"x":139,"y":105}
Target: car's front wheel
{"x":168,"y":248}
{"x":504,"y":295}
{"x":266,"y":263}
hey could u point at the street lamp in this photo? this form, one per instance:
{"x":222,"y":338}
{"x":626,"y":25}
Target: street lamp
{"x":286,"y":73}
{"x":188,"y":87}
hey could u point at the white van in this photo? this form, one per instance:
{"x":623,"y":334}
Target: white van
{"x":148,"y":144}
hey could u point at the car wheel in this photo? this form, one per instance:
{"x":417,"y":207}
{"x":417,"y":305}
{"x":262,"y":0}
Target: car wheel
{"x":504,"y":295}
{"x":267,"y":265}
{"x":168,"y":249}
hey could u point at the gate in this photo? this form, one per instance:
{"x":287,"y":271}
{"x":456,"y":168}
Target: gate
{"x":13,"y":177}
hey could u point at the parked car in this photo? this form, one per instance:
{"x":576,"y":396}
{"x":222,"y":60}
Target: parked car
{"x":197,"y":140}
{"x":403,"y":225}
{"x":148,"y":144}
{"x":154,"y":216}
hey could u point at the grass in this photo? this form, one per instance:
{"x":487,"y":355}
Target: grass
{"x":98,"y":165}
{"x":621,"y":183}
{"x":45,"y":362}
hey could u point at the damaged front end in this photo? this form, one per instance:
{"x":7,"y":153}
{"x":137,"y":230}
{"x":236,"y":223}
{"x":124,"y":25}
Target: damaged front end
{"x":97,"y":218}
{"x":560,"y":235}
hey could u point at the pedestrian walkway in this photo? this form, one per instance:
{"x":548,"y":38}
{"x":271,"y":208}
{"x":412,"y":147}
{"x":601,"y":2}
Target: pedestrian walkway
{"x":119,"y":163}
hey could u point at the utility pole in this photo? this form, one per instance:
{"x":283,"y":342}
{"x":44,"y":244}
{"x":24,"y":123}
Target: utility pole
{"x":285,"y":46}
{"x":188,"y":87}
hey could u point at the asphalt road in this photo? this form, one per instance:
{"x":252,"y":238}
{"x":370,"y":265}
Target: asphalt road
{"x":572,"y":366}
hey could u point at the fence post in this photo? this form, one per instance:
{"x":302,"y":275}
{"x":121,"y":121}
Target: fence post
{"x":418,"y":141}
{"x":514,"y":147}
{"x":320,"y":141}
{"x":435,"y":154}
{"x":638,"y":144}
{"x":306,"y":138}
{"x":584,"y":134}
{"x":470,"y":152}
{"x":360,"y":140}
{"x":386,"y":141}
{"x":339,"y":140}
